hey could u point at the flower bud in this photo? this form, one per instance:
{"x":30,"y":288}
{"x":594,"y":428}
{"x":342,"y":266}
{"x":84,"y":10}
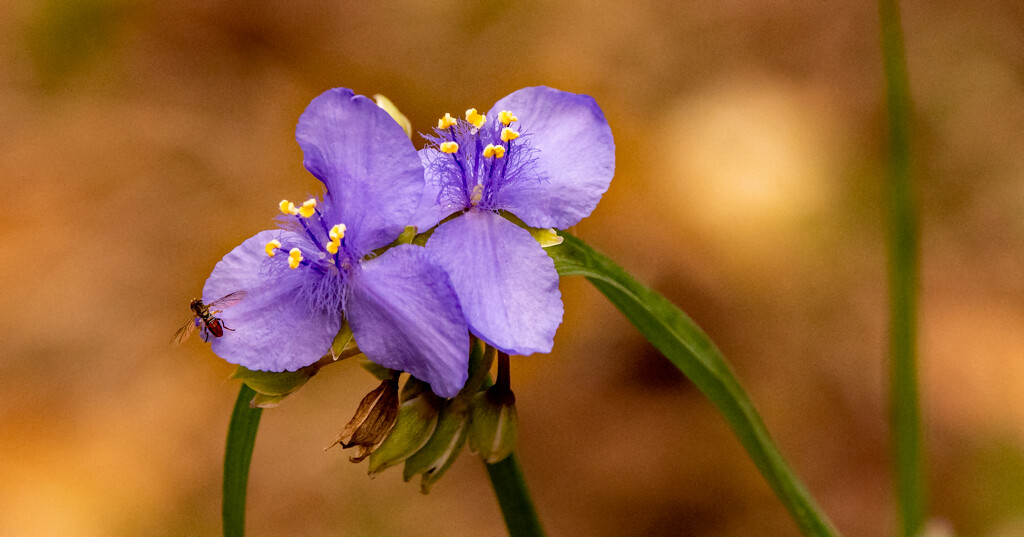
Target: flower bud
{"x":493,"y":424}
{"x":440,"y":452}
{"x":417,"y":420}
{"x":374,"y":417}
{"x":392,"y":110}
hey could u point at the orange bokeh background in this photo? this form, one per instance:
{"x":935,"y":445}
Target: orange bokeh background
{"x":141,"y":141}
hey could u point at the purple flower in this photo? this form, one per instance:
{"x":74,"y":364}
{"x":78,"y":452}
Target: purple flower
{"x":543,"y":155}
{"x":302,"y":278}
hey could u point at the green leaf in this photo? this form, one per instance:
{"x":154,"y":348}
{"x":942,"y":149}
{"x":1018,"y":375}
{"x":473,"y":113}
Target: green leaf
{"x":241,"y":438}
{"x":904,"y":402}
{"x":693,"y":352}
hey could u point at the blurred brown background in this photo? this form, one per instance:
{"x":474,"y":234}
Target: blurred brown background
{"x":141,"y":141}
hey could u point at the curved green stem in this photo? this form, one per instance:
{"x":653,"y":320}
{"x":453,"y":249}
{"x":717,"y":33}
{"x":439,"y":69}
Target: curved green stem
{"x":905,"y":409}
{"x":514,"y":498}
{"x":241,"y":438}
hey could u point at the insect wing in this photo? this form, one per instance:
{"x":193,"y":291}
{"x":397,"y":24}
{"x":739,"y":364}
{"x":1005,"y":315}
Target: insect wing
{"x":184,"y":332}
{"x":227,"y":300}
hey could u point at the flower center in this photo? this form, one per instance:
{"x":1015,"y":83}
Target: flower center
{"x":478,"y":159}
{"x":329,"y":242}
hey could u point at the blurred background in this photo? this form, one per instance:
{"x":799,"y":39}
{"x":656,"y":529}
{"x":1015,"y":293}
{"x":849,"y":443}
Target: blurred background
{"x":140,"y":141}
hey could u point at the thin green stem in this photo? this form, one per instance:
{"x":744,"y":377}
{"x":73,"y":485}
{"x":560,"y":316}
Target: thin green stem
{"x":514,"y":498}
{"x":241,"y":438}
{"x":904,"y":402}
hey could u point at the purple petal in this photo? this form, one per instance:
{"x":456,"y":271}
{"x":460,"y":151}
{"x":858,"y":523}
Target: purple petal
{"x":372,"y":172}
{"x":434,"y":206}
{"x":575,"y":153}
{"x":405,"y":315}
{"x":506,"y":283}
{"x":273,"y":328}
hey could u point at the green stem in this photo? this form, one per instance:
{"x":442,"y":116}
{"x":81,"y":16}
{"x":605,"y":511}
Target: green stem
{"x":241,"y":438}
{"x":514,"y":498}
{"x":903,"y":276}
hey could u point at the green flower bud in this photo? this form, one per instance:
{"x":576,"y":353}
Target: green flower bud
{"x":493,"y":424}
{"x":417,"y":420}
{"x":440,"y":452}
{"x":374,"y":418}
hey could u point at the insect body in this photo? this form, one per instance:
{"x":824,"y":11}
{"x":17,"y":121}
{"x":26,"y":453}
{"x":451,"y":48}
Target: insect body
{"x":204,"y":315}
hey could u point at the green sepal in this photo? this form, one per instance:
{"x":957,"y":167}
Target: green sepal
{"x":493,"y":425}
{"x":344,"y":344}
{"x":377,"y":370}
{"x":261,"y":400}
{"x":274,"y":384}
{"x":438,"y":454}
{"x":417,"y":420}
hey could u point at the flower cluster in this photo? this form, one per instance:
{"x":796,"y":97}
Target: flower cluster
{"x":477,"y":194}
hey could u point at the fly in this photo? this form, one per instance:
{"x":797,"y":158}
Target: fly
{"x":205,"y":315}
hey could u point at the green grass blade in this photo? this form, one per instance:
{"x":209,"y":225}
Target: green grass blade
{"x":514,"y":498}
{"x":690,"y":349}
{"x":241,"y":438}
{"x":903,"y":270}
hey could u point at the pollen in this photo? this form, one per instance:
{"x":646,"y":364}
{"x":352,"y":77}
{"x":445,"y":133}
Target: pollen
{"x":332,"y":247}
{"x":449,"y":147}
{"x":475,"y":118}
{"x":506,"y":117}
{"x":494,"y":151}
{"x":287,"y":207}
{"x":478,"y":193}
{"x":338,"y":232}
{"x":446,"y":121}
{"x":294,"y":258}
{"x":508,"y":134}
{"x":308,"y":208}
{"x":272,"y":247}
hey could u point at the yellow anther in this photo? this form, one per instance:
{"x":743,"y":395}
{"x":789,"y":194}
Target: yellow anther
{"x":337,"y":233}
{"x":508,"y":134}
{"x":449,"y":147}
{"x":506,"y":117}
{"x":308,"y":208}
{"x":475,"y":118}
{"x":287,"y":207}
{"x":478,"y":192}
{"x":271,"y":247}
{"x":332,"y":246}
{"x":496,"y":151}
{"x":446,"y":121}
{"x":294,"y":258}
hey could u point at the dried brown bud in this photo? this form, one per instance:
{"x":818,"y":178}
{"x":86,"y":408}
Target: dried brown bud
{"x":374,"y":418}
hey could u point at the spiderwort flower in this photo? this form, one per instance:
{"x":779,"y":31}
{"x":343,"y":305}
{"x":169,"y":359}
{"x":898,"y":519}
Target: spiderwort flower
{"x":300,"y":279}
{"x":543,"y":155}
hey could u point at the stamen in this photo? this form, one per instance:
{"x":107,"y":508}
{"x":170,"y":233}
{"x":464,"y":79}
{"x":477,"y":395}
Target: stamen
{"x":506,"y":117}
{"x":308,"y":208}
{"x":446,"y":121}
{"x":294,"y":258}
{"x":333,"y":246}
{"x":287,"y":207}
{"x":508,"y":134}
{"x":478,"y":192}
{"x":475,"y":118}
{"x":271,"y":247}
{"x":449,"y":147}
{"x":494,"y":151}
